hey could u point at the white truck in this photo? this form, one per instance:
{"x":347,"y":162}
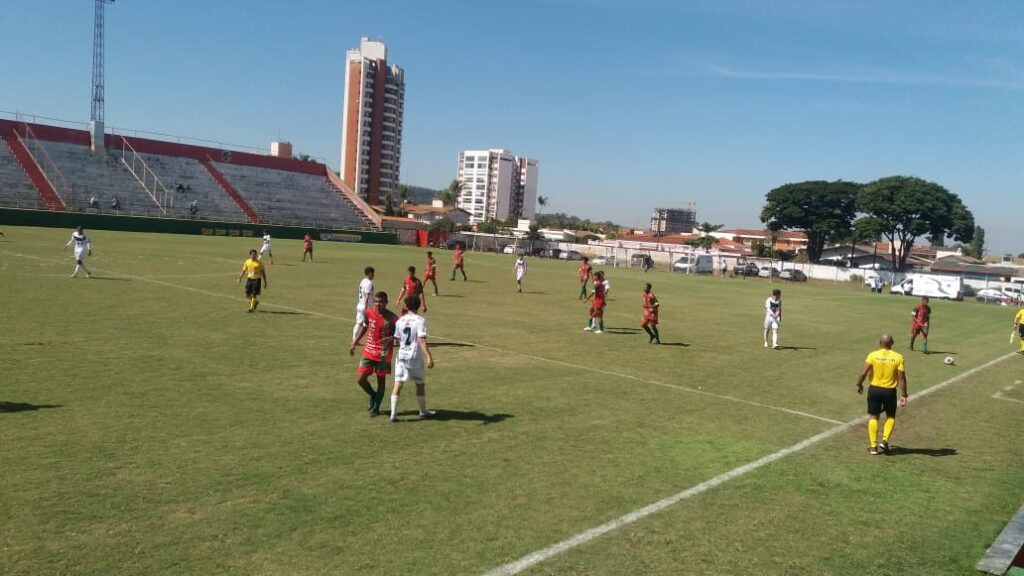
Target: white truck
{"x":930,"y":285}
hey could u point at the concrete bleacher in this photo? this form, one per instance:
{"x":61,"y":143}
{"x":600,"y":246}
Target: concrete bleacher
{"x":101,"y":175}
{"x":213,"y":202}
{"x":16,"y":190}
{"x":293,"y":198}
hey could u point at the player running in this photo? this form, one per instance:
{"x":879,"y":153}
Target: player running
{"x":430,"y":273}
{"x":411,"y":333}
{"x":255,"y":274}
{"x":585,"y":275}
{"x":520,"y":269}
{"x":83,"y":248}
{"x":596,"y":322}
{"x":411,"y":286}
{"x":365,"y":294}
{"x":922,"y":317}
{"x":459,"y":265}
{"x":773,"y":318}
{"x":379,"y":328}
{"x":650,"y":321}
{"x":307,"y":247}
{"x":265,"y":249}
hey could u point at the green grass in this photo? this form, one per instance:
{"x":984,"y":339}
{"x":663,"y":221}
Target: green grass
{"x":148,"y":425}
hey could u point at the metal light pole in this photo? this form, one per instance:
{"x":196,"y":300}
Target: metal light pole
{"x":98,"y":81}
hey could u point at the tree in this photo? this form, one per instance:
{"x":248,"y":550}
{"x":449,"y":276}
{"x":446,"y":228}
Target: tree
{"x":389,"y":205}
{"x":905,"y":207}
{"x":976,"y":248}
{"x":706,"y":240}
{"x":542,"y":201}
{"x":824,"y":211}
{"x":533,"y":235}
{"x":450,"y":195}
{"x":403,"y":196}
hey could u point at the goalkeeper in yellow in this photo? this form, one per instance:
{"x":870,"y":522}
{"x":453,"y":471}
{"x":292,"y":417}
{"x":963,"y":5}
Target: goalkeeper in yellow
{"x":255,"y":274}
{"x":887,"y":371}
{"x":1018,"y":327}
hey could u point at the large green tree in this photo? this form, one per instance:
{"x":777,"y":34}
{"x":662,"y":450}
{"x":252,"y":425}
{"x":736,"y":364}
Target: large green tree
{"x":903,"y":208}
{"x":824,"y":211}
{"x":976,"y":248}
{"x":706,"y":240}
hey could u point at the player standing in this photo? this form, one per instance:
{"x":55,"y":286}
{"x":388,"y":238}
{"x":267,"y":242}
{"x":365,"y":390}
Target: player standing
{"x":431,"y":271}
{"x":255,"y":272}
{"x":379,"y":328}
{"x":459,"y":264}
{"x":265,"y":249}
{"x":365,"y":294}
{"x":411,"y":332}
{"x":83,"y":248}
{"x":411,"y":286}
{"x":922,"y":317}
{"x":650,"y":321}
{"x":307,"y":247}
{"x":1018,"y":325}
{"x":773,"y":318}
{"x":585,"y":275}
{"x":520,"y":269}
{"x":597,"y":307}
{"x":887,"y":371}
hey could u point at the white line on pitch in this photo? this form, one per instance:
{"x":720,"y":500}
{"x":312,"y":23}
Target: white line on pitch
{"x":539,"y":556}
{"x":484,"y":346}
{"x":999,"y":396}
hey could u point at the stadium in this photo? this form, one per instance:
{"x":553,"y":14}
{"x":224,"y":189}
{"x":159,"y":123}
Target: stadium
{"x":150,"y":425}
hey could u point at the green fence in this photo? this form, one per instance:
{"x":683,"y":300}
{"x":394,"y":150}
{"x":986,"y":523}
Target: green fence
{"x":48,"y":219}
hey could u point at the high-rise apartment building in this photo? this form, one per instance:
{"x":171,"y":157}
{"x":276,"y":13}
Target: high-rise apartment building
{"x":497,"y":185}
{"x":371,"y":125}
{"x":674,"y":220}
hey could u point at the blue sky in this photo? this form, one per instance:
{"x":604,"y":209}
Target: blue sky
{"x":628,"y":105}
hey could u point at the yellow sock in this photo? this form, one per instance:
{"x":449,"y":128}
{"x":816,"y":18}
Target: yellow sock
{"x":873,"y":431}
{"x":252,"y":303}
{"x":887,"y":428}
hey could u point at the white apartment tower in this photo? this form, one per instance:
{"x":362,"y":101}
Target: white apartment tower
{"x":496,"y":185}
{"x":371,"y":125}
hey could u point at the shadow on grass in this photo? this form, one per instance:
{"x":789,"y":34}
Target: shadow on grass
{"x":447,"y":296}
{"x":934,"y":452}
{"x":933,"y":352}
{"x":450,"y":415}
{"x":451,"y":345}
{"x":24,"y":407}
{"x":288,"y":312}
{"x":614,"y":330}
{"x":796,"y":348}
{"x":536,"y":292}
{"x":94,"y":277}
{"x":683,"y":344}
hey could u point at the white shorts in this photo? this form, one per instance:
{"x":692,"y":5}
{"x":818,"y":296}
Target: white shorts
{"x":80,"y":253}
{"x":360,"y":316}
{"x":265,"y":248}
{"x":771,"y":323}
{"x":519,"y":276}
{"x":409,"y":370}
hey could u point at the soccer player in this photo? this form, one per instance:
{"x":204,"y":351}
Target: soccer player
{"x":411,"y":332}
{"x":585,"y":275}
{"x":650,"y":321}
{"x":431,"y":271}
{"x":83,"y":248}
{"x":265,"y":249}
{"x":459,"y":265}
{"x":379,"y":328}
{"x":597,"y":307}
{"x":411,"y":286}
{"x":1018,"y":325}
{"x":307,"y":247}
{"x":922,"y":316}
{"x":773,"y":318}
{"x":365,"y":294}
{"x":520,"y":269}
{"x":887,"y":371}
{"x":255,"y":274}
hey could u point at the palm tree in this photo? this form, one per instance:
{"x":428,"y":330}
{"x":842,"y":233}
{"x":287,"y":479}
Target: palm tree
{"x":403,"y":195}
{"x":706,"y":240}
{"x":542,"y":201}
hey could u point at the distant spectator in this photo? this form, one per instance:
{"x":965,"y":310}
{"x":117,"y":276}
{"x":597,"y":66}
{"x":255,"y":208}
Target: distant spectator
{"x":115,"y":203}
{"x":180,"y":187}
{"x":188,"y":188}
{"x":94,"y":202}
{"x":193,"y":207}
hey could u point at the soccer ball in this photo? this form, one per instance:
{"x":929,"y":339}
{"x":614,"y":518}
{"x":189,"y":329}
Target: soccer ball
{"x":949,"y":361}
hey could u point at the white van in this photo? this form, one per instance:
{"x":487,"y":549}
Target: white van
{"x":930,"y":285}
{"x":694,"y":264}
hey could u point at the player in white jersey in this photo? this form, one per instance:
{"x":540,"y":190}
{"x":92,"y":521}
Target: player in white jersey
{"x":773,"y":318}
{"x":411,"y":333}
{"x":266,"y":247}
{"x":520,"y":269}
{"x":83,"y":248}
{"x":365,"y":296}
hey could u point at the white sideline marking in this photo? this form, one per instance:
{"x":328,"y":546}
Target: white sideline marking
{"x":586,"y":536}
{"x":153,"y":280}
{"x":999,"y":396}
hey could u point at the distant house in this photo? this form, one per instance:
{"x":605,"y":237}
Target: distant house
{"x":974,"y":269}
{"x":430,"y":213}
{"x":785,"y":240}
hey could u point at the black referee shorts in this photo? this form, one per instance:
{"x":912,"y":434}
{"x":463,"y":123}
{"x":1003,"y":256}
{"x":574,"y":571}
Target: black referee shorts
{"x":880,"y":399}
{"x":252,"y":286}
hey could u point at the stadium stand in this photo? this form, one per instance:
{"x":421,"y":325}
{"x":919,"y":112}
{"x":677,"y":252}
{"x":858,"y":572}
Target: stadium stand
{"x":16,"y":190}
{"x":100,"y":175}
{"x":196,"y":184}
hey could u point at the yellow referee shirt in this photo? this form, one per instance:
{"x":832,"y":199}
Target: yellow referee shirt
{"x":253,"y":269}
{"x":884,"y":366}
{"x":1019,"y":317}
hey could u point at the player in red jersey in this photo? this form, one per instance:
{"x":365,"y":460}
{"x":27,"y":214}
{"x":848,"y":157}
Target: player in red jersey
{"x":596,"y":322}
{"x":922,"y":317}
{"x":431,"y":272}
{"x":459,"y":264}
{"x":585,"y":274}
{"x":411,"y":286}
{"x":650,"y":321}
{"x":379,"y":328}
{"x":307,"y":247}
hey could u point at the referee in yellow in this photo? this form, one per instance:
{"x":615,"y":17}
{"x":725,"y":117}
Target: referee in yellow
{"x":887,"y":372}
{"x":255,"y":274}
{"x":1018,"y":326}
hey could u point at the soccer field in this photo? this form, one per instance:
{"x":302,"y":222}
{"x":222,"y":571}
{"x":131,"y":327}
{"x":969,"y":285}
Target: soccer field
{"x":148,"y":425}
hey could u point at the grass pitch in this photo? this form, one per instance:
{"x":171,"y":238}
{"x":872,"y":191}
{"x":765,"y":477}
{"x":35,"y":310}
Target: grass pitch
{"x":148,"y":425}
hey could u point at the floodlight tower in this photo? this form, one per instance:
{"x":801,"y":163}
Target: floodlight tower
{"x":96,"y":116}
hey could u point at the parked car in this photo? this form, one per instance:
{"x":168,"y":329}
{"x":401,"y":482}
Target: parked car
{"x":639,"y":260}
{"x":793,"y":275}
{"x":603,"y":261}
{"x":745,"y":269}
{"x":967,"y":291}
{"x":551,"y":253}
{"x":993,"y":295}
{"x":768,"y":271}
{"x":513,"y":249}
{"x":1013,"y":293}
{"x":694,"y":264}
{"x":570,"y":255}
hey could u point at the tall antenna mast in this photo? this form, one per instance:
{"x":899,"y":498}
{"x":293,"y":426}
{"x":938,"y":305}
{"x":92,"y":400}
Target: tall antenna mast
{"x":98,"y":98}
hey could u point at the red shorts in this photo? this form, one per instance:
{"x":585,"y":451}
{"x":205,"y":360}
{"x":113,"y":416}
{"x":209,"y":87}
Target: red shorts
{"x":650,"y":321}
{"x":428,"y":275}
{"x":597,"y":307}
{"x":919,"y":329}
{"x":368,"y":366}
